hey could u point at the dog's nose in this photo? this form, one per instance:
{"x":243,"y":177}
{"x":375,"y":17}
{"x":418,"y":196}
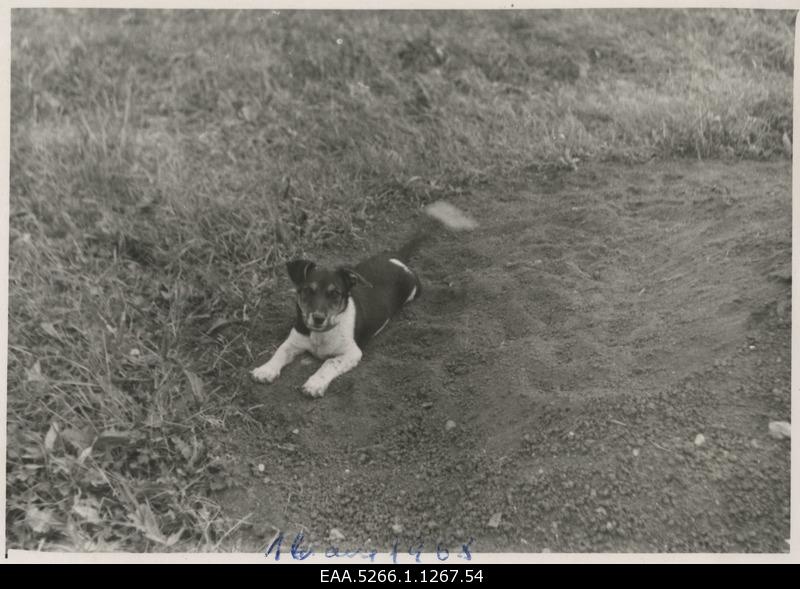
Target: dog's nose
{"x":318,"y":319}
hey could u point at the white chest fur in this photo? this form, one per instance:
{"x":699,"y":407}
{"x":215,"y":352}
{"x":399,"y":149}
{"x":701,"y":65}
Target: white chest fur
{"x":338,"y":340}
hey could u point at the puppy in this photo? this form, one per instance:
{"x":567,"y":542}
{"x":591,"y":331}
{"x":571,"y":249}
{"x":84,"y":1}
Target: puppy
{"x":339,"y":311}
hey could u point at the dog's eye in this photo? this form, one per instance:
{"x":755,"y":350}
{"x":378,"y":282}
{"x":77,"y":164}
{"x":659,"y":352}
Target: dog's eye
{"x":334,"y":294}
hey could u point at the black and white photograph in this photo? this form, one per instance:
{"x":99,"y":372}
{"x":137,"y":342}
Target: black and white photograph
{"x":376,"y":286}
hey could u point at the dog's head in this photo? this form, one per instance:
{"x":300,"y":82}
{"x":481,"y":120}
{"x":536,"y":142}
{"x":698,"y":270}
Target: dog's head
{"x":322,"y":294}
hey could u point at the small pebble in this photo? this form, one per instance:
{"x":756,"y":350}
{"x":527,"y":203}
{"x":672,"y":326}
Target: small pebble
{"x":494,"y":521}
{"x":449,"y":425}
{"x":699,"y":440}
{"x":261,"y":467}
{"x":335,"y":535}
{"x":427,"y":405}
{"x":295,"y":431}
{"x":780,"y":429}
{"x":397,"y":528}
{"x":636,"y":451}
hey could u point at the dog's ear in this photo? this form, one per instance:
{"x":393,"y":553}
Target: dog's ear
{"x":298,"y":270}
{"x":352,"y":278}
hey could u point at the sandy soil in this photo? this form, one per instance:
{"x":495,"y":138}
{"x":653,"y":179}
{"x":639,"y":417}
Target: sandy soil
{"x":580,"y":340}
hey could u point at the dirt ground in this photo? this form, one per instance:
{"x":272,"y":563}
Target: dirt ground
{"x":579,"y":341}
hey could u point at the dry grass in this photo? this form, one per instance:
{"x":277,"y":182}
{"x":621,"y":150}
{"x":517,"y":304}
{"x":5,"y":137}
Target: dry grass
{"x":165,"y":164}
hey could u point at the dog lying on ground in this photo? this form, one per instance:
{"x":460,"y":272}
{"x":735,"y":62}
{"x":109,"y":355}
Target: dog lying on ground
{"x":339,"y":311}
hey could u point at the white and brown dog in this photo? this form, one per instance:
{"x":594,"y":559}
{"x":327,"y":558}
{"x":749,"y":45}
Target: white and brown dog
{"x":339,"y":311}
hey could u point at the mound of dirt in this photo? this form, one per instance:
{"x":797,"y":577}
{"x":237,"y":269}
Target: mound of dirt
{"x":580,"y":340}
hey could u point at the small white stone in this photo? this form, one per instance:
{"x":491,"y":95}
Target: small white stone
{"x":397,"y":528}
{"x":494,"y":521}
{"x":699,"y":440}
{"x":780,"y":429}
{"x":295,"y":431}
{"x":636,"y":451}
{"x":261,"y":467}
{"x":449,"y":425}
{"x":335,"y":535}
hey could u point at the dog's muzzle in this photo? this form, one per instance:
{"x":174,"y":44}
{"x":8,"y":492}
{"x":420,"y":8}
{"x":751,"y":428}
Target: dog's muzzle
{"x":319,"y":323}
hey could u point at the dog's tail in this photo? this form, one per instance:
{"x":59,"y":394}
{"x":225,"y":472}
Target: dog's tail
{"x":449,"y":216}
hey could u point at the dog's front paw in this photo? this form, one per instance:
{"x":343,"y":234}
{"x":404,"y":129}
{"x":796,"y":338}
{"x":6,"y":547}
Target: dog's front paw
{"x":266,"y":373}
{"x":315,"y":387}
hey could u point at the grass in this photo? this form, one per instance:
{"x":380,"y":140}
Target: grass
{"x":164,"y":165}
